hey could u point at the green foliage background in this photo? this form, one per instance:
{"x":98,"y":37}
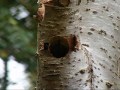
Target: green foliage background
{"x":18,"y":35}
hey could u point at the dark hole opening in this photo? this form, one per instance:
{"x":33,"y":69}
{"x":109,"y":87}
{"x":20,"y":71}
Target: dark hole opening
{"x":46,"y":45}
{"x":59,"y":46}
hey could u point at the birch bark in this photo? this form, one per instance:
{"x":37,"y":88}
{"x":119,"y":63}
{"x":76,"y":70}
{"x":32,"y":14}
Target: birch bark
{"x":96,"y":63}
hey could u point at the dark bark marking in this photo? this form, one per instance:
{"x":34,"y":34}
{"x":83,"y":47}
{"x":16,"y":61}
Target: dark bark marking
{"x":102,"y":32}
{"x":79,"y":1}
{"x":108,"y":84}
{"x":103,"y":49}
{"x":87,"y":9}
{"x":89,"y":33}
{"x":82,"y":71}
{"x":85,"y":45}
{"x":95,"y":12}
{"x":92,"y":29}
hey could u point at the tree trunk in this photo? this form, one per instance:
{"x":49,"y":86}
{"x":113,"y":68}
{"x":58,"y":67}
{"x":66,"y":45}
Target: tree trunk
{"x":79,"y":46}
{"x":4,"y":81}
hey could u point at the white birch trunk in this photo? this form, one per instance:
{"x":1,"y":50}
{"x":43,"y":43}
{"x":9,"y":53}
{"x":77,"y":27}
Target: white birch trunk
{"x":96,"y":65}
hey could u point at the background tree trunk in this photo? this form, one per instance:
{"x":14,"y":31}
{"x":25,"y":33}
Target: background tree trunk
{"x":90,"y":30}
{"x":4,"y":80}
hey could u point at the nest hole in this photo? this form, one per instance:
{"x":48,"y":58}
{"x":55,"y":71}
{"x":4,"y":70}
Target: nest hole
{"x":59,"y":46}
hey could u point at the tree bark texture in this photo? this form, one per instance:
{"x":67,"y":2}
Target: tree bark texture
{"x":95,"y":64}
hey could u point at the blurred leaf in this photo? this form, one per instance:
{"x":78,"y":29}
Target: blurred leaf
{"x":12,"y":21}
{"x":3,"y":54}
